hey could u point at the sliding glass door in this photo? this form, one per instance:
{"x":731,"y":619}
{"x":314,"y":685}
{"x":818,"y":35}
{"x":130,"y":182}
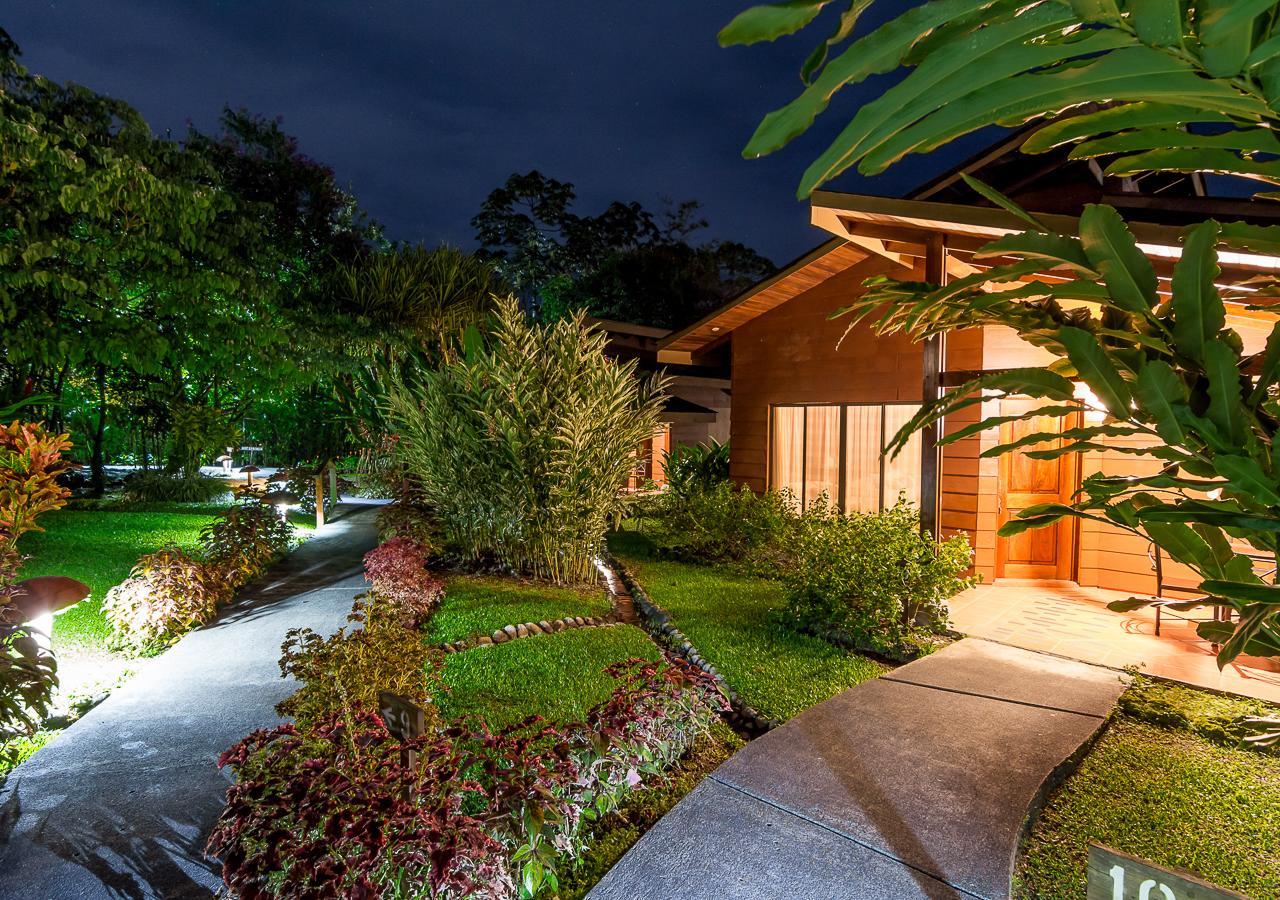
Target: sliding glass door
{"x":837,"y":450}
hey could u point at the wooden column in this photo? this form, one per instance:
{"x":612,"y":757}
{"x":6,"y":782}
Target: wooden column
{"x":935,"y":272}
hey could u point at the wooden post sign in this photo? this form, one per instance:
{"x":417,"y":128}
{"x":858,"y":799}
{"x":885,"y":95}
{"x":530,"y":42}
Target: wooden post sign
{"x":404,"y":719}
{"x":1117,"y":876}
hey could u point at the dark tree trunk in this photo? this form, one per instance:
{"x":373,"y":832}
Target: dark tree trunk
{"x":98,"y":475}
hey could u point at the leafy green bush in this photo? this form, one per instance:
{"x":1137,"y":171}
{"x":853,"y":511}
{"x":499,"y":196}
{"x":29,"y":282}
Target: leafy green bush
{"x":521,"y":448}
{"x":727,"y":523}
{"x":407,"y":519}
{"x":344,"y":673}
{"x":873,"y":577}
{"x":157,"y":487}
{"x":168,"y":593}
{"x":692,"y":468}
{"x":244,"y":540}
{"x":199,"y":432}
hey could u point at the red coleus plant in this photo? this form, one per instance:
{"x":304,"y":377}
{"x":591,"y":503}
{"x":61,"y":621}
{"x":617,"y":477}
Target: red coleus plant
{"x":398,"y":571}
{"x":332,"y":811}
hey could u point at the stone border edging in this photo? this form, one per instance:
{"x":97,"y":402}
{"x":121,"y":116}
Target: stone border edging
{"x":525,"y":629}
{"x":657,"y":622}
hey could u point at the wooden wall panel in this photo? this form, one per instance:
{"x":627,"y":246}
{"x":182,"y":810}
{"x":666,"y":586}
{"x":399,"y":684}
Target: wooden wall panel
{"x":789,"y":355}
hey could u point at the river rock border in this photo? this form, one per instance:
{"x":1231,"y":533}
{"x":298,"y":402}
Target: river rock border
{"x":657,"y":622}
{"x":526,"y":629}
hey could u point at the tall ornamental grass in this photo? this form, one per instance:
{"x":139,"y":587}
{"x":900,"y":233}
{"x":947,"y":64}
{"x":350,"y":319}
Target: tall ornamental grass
{"x":522,"y":446}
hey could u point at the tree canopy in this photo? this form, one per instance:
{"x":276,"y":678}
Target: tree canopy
{"x":625,"y":263}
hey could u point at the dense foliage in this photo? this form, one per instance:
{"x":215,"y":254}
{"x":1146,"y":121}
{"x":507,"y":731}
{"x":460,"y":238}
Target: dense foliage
{"x":521,"y":447}
{"x":171,"y":591}
{"x":31,"y":460}
{"x":870,"y":579}
{"x":156,"y":487}
{"x":874,"y":578}
{"x":343,"y":673}
{"x":727,"y":523}
{"x":168,"y":593}
{"x":696,"y":467}
{"x":625,"y":263}
{"x":398,"y":571}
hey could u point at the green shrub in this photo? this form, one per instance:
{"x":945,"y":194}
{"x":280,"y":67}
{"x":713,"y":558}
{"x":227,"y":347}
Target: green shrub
{"x":521,"y":448}
{"x":168,"y":593}
{"x":727,"y":523}
{"x":406,"y":519}
{"x":693,"y":468}
{"x":345,"y":672}
{"x":199,"y":432}
{"x":244,"y":540}
{"x":156,"y":487}
{"x":873,"y":577}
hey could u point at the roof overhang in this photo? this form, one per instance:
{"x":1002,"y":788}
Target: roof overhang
{"x":902,"y":226}
{"x":795,"y":278}
{"x":897,"y":231}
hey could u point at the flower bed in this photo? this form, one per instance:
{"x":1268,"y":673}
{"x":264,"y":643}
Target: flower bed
{"x":534,"y":749}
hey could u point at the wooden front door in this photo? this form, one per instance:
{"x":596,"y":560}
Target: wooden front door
{"x":1024,"y":481}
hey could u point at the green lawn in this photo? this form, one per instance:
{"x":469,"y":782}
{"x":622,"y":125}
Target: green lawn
{"x":484,"y":604}
{"x":99,"y":547}
{"x":557,"y":676}
{"x":729,"y":617}
{"x":1166,"y":795}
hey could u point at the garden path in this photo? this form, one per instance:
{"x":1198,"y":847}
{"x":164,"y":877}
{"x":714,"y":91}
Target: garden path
{"x":912,"y":785}
{"x":122,"y":802}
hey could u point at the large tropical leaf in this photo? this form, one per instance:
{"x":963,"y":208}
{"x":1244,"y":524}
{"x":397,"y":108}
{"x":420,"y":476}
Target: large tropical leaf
{"x":1198,"y":313}
{"x":1113,"y":251}
{"x":1164,"y":67}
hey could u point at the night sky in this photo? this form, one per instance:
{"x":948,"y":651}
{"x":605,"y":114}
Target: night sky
{"x":422,"y":106}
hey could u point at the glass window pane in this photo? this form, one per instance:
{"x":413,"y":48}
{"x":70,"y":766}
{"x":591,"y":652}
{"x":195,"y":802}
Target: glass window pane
{"x":822,"y":454}
{"x":786,"y":455}
{"x":903,"y":472}
{"x":862,"y":459}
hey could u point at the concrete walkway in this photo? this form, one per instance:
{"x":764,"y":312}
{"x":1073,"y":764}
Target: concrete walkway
{"x":122,"y":802}
{"x":915,"y":784}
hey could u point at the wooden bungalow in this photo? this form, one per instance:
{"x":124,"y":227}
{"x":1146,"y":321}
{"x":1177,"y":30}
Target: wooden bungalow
{"x":813,"y":417}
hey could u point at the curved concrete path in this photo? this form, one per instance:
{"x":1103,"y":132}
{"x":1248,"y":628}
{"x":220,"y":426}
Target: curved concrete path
{"x":121,"y":803}
{"x":915,"y":784}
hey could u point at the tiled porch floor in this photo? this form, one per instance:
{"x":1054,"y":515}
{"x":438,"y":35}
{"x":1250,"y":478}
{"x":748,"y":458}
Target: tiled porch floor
{"x":1072,"y":621}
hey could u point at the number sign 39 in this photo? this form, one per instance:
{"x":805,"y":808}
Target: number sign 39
{"x":1117,"y":876}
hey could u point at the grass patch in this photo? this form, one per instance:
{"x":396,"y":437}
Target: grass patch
{"x":729,"y":617}
{"x":556,"y":676}
{"x":484,"y":604}
{"x":1165,"y":795}
{"x":99,"y":547}
{"x":615,"y":834}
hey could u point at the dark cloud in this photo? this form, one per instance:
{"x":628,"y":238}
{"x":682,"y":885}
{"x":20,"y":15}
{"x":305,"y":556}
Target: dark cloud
{"x":423,"y":107}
